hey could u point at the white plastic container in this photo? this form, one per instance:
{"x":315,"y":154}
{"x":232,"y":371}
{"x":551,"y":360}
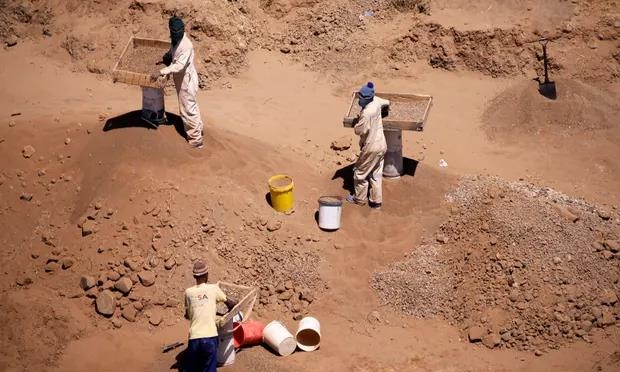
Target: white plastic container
{"x":279,"y":338}
{"x":308,"y":334}
{"x":153,"y":110}
{"x":393,"y":161}
{"x":226,"y":347}
{"x":330,"y":211}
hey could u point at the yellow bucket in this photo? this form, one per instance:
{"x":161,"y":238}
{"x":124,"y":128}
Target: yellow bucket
{"x":281,"y":192}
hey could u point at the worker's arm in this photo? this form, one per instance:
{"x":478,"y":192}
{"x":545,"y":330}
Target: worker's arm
{"x":363,"y":124}
{"x":178,"y":63}
{"x":221,"y":297}
{"x":187,"y":315}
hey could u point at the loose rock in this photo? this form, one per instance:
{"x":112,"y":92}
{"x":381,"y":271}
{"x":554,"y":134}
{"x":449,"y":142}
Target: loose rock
{"x":123,"y":285}
{"x":475,"y":334}
{"x":155,"y":318}
{"x":88,"y":227}
{"x":105,"y":303}
{"x":28,"y":151}
{"x":67,"y":262}
{"x":147,"y":278}
{"x":491,"y":340}
{"x":129,"y":313}
{"x":52,"y":267}
{"x":342,"y":143}
{"x":87,"y":282}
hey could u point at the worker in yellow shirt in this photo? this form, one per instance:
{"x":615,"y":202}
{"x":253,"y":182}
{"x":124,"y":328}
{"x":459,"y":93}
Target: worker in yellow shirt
{"x":200,"y":308}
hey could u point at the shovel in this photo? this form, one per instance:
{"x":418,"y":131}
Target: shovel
{"x":547,"y":87}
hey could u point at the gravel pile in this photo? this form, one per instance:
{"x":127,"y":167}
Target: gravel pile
{"x":515,"y":266}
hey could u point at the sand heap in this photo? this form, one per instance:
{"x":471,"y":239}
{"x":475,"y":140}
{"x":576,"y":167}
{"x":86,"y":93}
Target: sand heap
{"x":579,"y":107}
{"x":515,"y":266}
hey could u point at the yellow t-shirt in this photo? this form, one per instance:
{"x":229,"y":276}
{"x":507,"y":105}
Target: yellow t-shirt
{"x":200,"y":305}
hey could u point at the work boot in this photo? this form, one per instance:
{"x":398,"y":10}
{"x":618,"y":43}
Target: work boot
{"x":374,"y":205}
{"x":352,"y":199}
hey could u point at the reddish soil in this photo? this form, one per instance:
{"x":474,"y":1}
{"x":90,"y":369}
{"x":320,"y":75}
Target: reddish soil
{"x":515,"y":241}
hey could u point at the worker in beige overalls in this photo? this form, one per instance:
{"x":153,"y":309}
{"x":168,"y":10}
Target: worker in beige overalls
{"x":180,"y":63}
{"x":368,"y":169}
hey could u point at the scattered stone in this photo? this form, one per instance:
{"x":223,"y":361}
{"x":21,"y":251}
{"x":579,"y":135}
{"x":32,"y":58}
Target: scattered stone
{"x":557,"y":260}
{"x":608,"y":297}
{"x":514,"y":295}
{"x":88,"y":227}
{"x":475,"y":334}
{"x":23,"y":281}
{"x":67,"y":141}
{"x":442,"y":238}
{"x":138,"y":305}
{"x":538,"y":352}
{"x":374,"y":317}
{"x":75,"y":293}
{"x":113,"y":275}
{"x":25,"y":196}
{"x":274,"y":226}
{"x":147,"y":278}
{"x":87,"y":282}
{"x":307,"y":295}
{"x":155,"y":318}
{"x":298,"y":317}
{"x":28,"y":151}
{"x":123,"y":285}
{"x":608,"y":255}
{"x":67,"y":262}
{"x":129,"y":313}
{"x":338,"y":246}
{"x":117,"y":323}
{"x":567,"y":213}
{"x":12,"y":123}
{"x":342,"y":143}
{"x":170,"y":263}
{"x":172,"y":303}
{"x":92,"y":293}
{"x":11,"y":41}
{"x":285,"y":50}
{"x":132,"y":264}
{"x":52,"y":267}
{"x":105,"y":303}
{"x":491,"y":340}
{"x":605,"y":215}
{"x":607,"y":317}
{"x":612,"y":245}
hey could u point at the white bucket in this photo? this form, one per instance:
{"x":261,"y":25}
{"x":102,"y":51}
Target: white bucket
{"x":308,"y":334}
{"x":330,"y":210}
{"x":226,"y":347}
{"x":279,"y":338}
{"x":153,"y":105}
{"x":393,"y":161}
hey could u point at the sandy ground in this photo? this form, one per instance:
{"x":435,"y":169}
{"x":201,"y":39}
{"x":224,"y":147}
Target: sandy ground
{"x":276,"y":116}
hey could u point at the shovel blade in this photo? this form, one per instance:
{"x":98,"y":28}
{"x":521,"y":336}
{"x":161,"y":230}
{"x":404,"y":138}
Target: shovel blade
{"x":548,"y":90}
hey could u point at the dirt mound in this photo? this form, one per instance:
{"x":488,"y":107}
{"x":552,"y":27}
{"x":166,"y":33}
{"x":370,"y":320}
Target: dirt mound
{"x":579,"y":107}
{"x":34,"y":332}
{"x":515,"y":266}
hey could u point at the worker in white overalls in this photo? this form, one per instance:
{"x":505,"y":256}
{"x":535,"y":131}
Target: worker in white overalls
{"x":180,"y":63}
{"x":368,"y":169}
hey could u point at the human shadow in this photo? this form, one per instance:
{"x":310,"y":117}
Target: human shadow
{"x":410,"y":167}
{"x":179,"y":361}
{"x":132,"y":119}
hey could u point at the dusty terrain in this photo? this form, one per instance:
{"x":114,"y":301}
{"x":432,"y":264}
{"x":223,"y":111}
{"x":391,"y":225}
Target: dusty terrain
{"x":506,"y":260}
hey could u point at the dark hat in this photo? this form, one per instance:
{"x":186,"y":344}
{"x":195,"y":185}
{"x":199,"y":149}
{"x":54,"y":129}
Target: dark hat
{"x":200,"y":268}
{"x":367,"y":91}
{"x":176,"y":24}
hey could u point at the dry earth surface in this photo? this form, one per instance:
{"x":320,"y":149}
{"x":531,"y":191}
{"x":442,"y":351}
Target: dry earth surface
{"x":506,"y":260}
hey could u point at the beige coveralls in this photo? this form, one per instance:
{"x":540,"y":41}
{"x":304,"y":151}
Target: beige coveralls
{"x":186,"y":82}
{"x":369,"y":165}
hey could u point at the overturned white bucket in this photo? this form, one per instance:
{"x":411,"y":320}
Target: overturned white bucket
{"x":226,"y":347}
{"x":153,"y":110}
{"x":279,"y":338}
{"x":308,"y":334}
{"x":330,"y":211}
